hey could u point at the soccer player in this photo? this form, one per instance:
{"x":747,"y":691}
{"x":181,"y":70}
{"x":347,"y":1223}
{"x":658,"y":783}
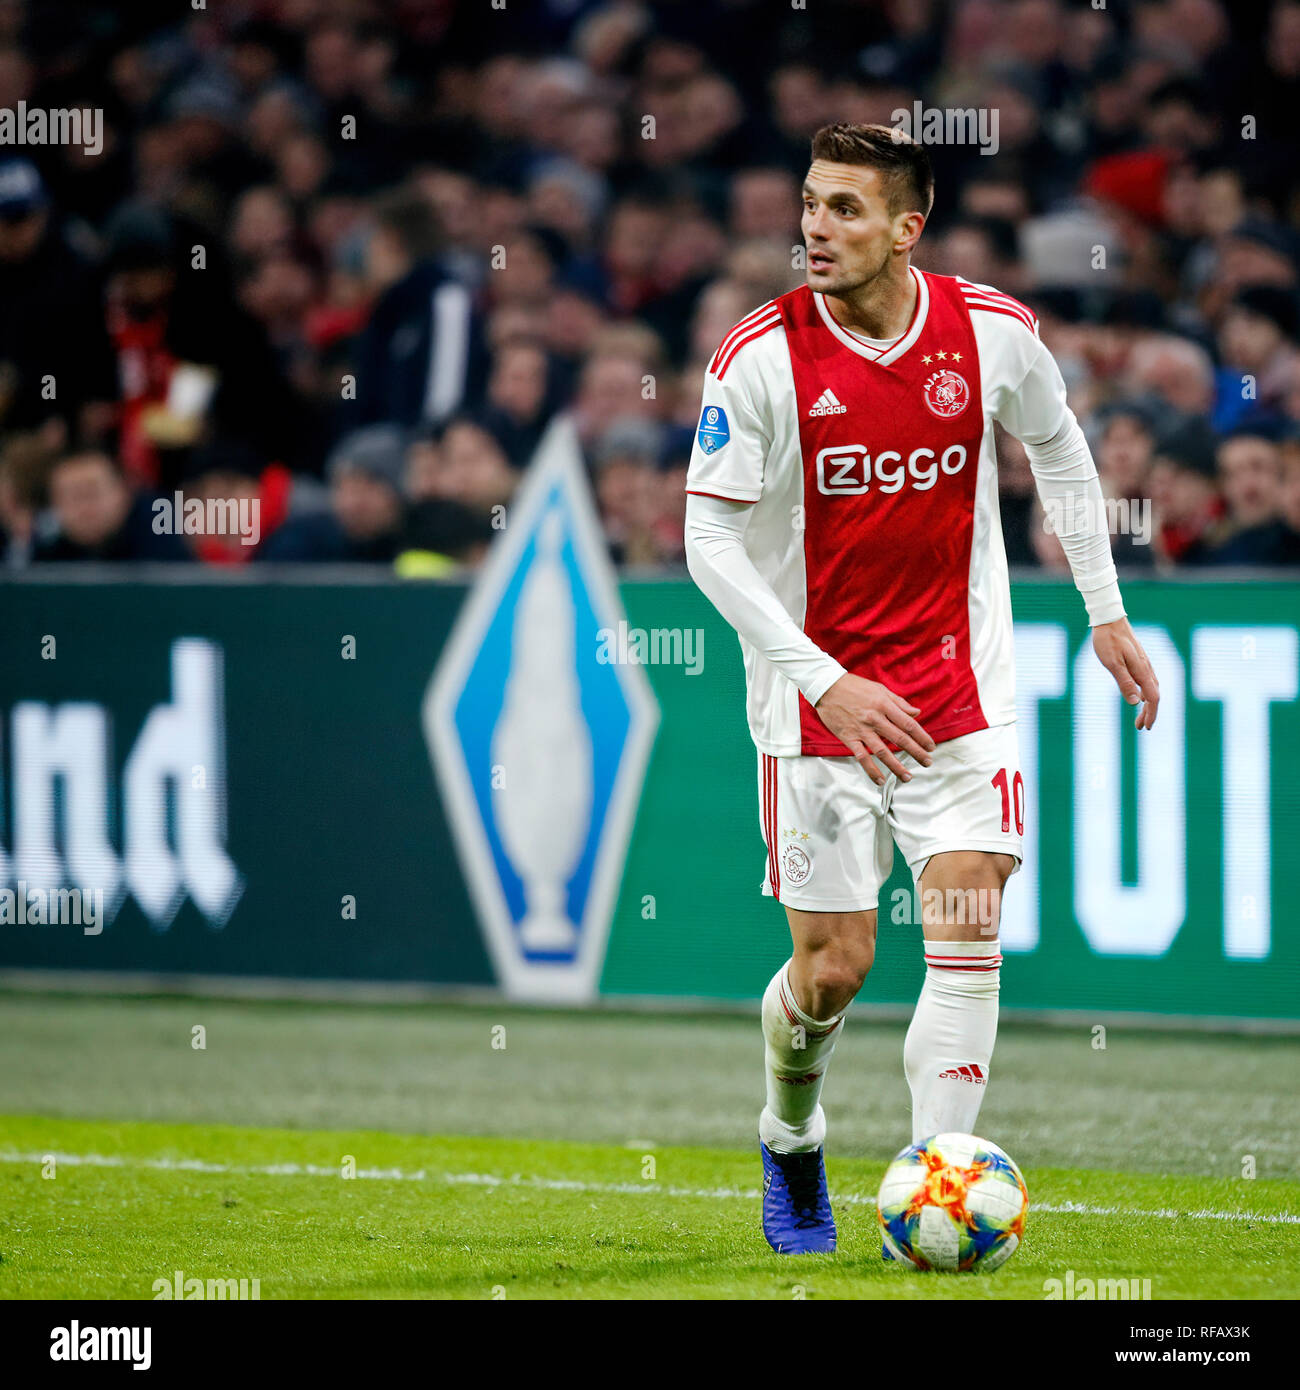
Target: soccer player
{"x":843,"y":517}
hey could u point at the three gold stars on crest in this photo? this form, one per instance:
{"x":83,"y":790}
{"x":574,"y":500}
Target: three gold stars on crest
{"x":942,"y":356}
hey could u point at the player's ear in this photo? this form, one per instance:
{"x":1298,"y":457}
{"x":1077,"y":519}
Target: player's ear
{"x":908,"y":227}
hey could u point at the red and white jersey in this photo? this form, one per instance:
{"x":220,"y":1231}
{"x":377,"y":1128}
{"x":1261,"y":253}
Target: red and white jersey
{"x":872,"y":473}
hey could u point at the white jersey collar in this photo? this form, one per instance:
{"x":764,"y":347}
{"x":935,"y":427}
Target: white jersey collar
{"x":856,"y":343}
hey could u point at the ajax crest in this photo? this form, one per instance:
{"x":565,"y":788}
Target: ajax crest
{"x":946,"y":394}
{"x":796,"y":864}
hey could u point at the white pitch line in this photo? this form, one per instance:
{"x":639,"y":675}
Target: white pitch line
{"x":642,"y":1189}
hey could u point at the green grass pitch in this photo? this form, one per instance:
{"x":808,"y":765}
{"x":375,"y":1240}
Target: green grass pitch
{"x":524,"y":1154}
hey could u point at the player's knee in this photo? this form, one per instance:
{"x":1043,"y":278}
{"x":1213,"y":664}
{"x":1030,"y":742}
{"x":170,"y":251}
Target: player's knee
{"x":836,"y":976}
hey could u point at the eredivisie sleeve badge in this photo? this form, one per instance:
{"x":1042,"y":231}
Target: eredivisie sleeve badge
{"x":714,"y":431}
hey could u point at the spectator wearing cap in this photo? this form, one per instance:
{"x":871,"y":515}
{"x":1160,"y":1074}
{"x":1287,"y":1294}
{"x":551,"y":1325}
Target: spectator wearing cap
{"x":1185,"y":495}
{"x":1250,"y":478}
{"x":98,"y":517}
{"x":566,"y":199}
{"x":366,"y":513}
{"x":203,"y":117}
{"x":50,"y":324}
{"x":421,"y":357}
{"x":1257,"y":345}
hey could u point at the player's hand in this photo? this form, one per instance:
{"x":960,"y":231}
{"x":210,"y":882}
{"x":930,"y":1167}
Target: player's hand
{"x":1120,"y":652}
{"x":862,"y":714}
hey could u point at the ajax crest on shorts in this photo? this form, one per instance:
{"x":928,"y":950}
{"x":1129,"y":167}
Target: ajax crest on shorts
{"x":796,"y":859}
{"x":540,"y":747}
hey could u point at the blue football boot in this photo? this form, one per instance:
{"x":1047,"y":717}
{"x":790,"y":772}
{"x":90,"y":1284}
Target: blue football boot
{"x":796,"y":1206}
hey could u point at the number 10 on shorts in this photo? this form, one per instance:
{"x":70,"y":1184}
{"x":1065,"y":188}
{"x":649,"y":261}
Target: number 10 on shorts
{"x":1012,"y":792}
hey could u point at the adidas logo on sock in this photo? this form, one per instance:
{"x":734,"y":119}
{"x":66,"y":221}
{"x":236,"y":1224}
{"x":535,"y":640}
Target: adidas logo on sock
{"x":827,"y":404}
{"x":974,"y":1074}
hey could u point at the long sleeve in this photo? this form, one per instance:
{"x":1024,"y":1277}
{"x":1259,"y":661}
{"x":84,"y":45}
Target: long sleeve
{"x":720,"y":565}
{"x":1070,"y":491}
{"x":1067,"y":483}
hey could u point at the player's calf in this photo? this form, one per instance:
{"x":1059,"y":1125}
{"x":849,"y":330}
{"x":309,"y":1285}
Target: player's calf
{"x":802,"y":1020}
{"x":797,"y":1050}
{"x":949,"y":1044}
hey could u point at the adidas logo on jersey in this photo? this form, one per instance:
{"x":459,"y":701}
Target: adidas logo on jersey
{"x":827,"y":404}
{"x":973,"y":1073}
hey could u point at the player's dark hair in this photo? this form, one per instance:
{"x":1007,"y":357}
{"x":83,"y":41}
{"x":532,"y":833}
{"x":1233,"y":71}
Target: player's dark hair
{"x":903,"y":163}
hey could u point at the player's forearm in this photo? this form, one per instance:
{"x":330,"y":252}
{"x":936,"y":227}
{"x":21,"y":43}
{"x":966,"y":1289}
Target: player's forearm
{"x":1067,"y":483}
{"x":721,"y":567}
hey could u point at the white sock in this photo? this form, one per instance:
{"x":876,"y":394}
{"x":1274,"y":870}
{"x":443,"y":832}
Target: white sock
{"x":797,"y":1049}
{"x":950,"y":1042}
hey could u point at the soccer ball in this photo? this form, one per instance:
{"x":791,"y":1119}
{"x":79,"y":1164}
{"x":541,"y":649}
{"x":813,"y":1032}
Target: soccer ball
{"x":953,"y":1202}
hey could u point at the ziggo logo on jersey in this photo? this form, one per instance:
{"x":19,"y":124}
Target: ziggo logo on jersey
{"x":844,"y":470}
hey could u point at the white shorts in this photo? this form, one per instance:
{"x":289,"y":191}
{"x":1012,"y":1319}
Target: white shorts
{"x":830,"y":830}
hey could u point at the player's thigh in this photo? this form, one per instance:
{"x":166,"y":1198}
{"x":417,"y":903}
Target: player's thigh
{"x":959,"y":824}
{"x":833,"y":953}
{"x":961,"y":894}
{"x":828,"y":846}
{"x":841,"y":932}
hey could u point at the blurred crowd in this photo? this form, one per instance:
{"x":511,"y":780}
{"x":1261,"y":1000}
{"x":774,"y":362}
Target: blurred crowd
{"x":343,"y":260}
